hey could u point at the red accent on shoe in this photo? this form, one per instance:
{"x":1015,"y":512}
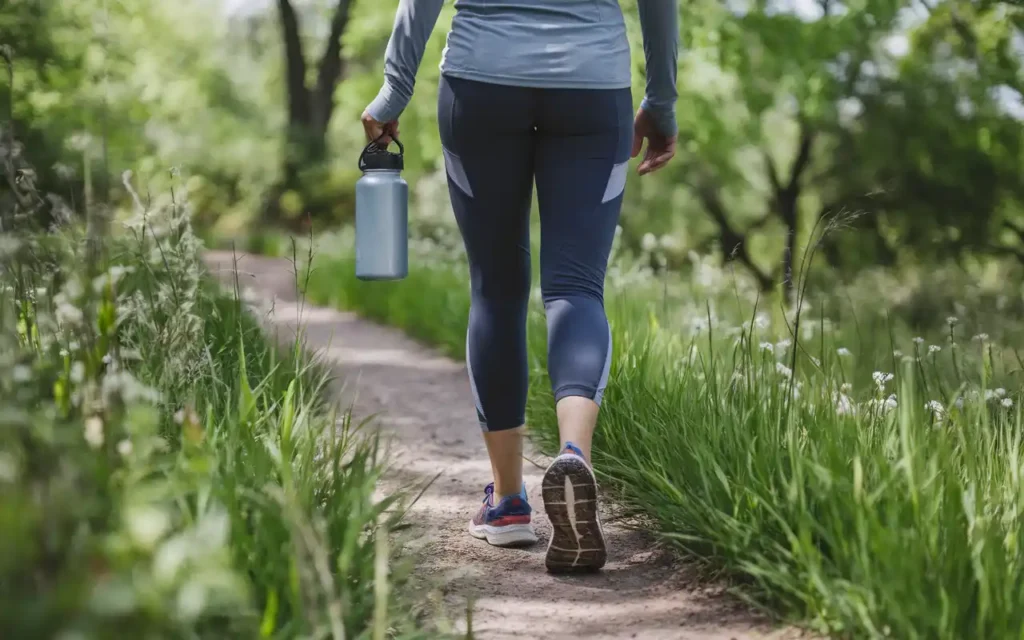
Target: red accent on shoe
{"x":503,"y":521}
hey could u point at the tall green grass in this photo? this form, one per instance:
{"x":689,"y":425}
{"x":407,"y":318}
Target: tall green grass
{"x":165,"y":470}
{"x":845,"y":473}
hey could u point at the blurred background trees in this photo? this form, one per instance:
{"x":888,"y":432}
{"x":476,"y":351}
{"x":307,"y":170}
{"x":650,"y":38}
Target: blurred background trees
{"x":899,"y":119}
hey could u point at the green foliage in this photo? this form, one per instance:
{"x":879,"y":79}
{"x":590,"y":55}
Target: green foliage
{"x":166,"y":469}
{"x":146,"y":86}
{"x":843,"y":471}
{"x":900,"y":111}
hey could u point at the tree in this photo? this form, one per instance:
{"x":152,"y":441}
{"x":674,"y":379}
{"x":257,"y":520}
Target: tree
{"x":787,"y":118}
{"x":310,"y":106}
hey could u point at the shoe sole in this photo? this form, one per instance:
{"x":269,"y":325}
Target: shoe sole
{"x":513,"y":535}
{"x":570,"y":499}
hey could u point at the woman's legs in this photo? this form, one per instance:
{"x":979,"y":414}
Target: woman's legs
{"x":488,"y":138}
{"x":576,"y":144}
{"x":583,"y":148}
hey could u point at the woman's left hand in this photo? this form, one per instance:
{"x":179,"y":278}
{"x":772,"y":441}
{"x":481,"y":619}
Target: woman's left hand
{"x":375,"y":130}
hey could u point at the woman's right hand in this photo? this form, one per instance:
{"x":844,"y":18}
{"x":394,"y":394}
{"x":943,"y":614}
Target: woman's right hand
{"x":375,"y":130}
{"x":660,"y":148}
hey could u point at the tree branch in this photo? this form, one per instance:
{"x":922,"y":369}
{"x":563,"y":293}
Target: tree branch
{"x":1008,"y":251}
{"x":331,"y":65}
{"x":773,"y":174}
{"x":1014,"y":228}
{"x":734,"y":244}
{"x":295,"y":63}
{"x":803,"y":157}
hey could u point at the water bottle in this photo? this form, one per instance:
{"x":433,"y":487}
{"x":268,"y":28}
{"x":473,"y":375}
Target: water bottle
{"x":382,"y":214}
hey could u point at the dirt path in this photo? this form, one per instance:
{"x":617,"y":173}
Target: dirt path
{"x":424,"y":400}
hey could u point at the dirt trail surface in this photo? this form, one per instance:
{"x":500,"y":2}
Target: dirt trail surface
{"x":424,"y":401}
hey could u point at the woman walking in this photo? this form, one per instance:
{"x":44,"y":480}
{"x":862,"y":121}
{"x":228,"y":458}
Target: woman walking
{"x":538,"y":91}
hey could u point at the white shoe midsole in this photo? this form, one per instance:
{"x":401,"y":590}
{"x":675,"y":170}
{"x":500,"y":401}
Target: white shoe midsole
{"x":509,"y":534}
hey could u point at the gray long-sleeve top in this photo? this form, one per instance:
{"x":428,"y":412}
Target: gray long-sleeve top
{"x":536,"y":43}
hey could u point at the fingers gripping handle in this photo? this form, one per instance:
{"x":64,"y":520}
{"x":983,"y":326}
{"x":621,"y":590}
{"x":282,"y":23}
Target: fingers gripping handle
{"x":374,"y":147}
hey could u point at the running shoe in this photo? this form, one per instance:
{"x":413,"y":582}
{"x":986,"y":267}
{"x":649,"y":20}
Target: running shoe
{"x":506,"y":525}
{"x":570,"y":498}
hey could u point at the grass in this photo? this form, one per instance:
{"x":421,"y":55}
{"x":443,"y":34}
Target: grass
{"x":844,"y":474}
{"x":164,"y":468}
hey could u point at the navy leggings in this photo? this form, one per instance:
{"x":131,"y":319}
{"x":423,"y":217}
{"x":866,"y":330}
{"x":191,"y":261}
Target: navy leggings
{"x":575,"y":143}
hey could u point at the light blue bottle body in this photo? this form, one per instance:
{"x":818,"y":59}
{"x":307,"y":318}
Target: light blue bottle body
{"x":382,"y":225}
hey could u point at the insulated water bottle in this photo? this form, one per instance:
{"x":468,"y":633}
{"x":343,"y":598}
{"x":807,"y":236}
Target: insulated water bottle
{"x":382,"y":214}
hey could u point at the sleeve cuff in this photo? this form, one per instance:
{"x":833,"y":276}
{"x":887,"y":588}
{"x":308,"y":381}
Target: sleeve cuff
{"x":664,"y":116}
{"x":388,"y":105}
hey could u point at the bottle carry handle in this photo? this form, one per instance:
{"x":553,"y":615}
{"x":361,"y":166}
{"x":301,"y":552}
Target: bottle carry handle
{"x":374,"y":146}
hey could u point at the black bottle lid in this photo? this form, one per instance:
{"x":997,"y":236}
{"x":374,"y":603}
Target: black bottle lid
{"x":375,"y":156}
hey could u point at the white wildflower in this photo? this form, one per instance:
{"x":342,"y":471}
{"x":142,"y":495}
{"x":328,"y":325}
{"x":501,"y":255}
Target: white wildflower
{"x":767,"y":346}
{"x":1000,"y":392}
{"x":761,"y":321}
{"x":844,"y":406}
{"x":935,"y":407}
{"x":897,"y":354}
{"x":934,"y":348}
{"x":1007,"y":402}
{"x":125,"y":447}
{"x":989,"y":394}
{"x":783,"y":344}
{"x":128,"y":388}
{"x":9,"y":245}
{"x":881,"y":379}
{"x":77,"y":371}
{"x":919,"y":340}
{"x":669,"y":243}
{"x":147,"y":524}
{"x":73,"y":289}
{"x":981,"y":337}
{"x":649,"y":243}
{"x":94,"y":431}
{"x":783,"y":370}
{"x":885,"y":406}
{"x":112,"y":277}
{"x":68,"y":313}
{"x":846,"y":387}
{"x":952,"y":321}
{"x":843,"y":352}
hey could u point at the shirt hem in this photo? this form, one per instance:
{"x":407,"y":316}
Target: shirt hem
{"x":532,"y":82}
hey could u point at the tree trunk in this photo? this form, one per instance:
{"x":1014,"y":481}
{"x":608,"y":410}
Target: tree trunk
{"x":309,"y":109}
{"x":789,"y":257}
{"x":787,"y":203}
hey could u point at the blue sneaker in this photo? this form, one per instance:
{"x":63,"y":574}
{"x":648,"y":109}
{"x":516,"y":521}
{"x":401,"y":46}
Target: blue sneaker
{"x":506,"y":525}
{"x":570,"y":500}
